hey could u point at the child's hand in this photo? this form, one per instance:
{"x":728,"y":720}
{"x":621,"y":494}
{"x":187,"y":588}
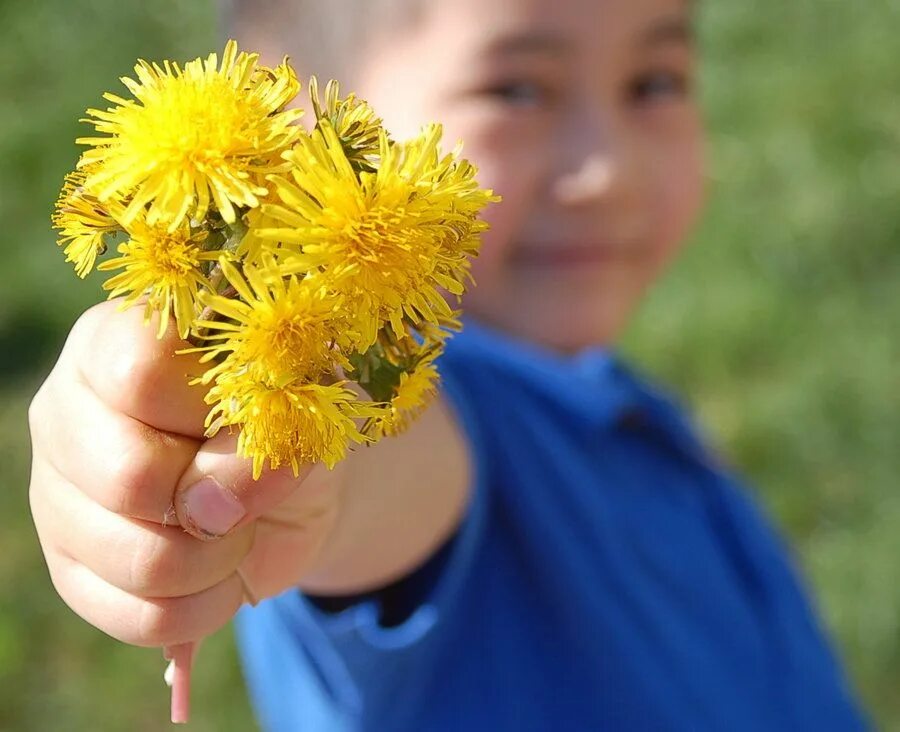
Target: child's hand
{"x":118,"y":439}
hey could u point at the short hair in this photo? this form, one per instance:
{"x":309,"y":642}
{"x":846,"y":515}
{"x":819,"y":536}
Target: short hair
{"x":323,"y":37}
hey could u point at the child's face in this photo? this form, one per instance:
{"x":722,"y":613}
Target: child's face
{"x":580,"y":114}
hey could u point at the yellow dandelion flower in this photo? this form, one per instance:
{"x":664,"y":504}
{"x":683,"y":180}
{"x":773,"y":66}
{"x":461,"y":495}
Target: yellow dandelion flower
{"x":282,"y":328}
{"x":208,"y":132}
{"x":434,"y":336}
{"x":83,"y":224}
{"x":375,"y":236}
{"x":163,"y":266}
{"x":398,"y":372}
{"x":413,"y":394}
{"x":422,"y":341}
{"x":252,"y":247}
{"x":450,"y":184}
{"x":416,"y":389}
{"x":355,"y":122}
{"x":290,"y":424}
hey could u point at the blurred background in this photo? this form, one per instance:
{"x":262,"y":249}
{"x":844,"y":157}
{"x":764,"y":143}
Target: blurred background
{"x":779,"y":326}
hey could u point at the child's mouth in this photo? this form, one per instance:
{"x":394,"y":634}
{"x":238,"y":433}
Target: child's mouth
{"x":570,"y":255}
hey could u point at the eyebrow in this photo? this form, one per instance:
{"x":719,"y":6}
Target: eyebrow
{"x":674,"y":29}
{"x":528,"y":42}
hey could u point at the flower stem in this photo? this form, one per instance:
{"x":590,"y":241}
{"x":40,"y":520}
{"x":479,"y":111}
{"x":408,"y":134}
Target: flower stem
{"x":182,"y":657}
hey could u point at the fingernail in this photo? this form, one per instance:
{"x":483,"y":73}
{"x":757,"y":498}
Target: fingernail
{"x":212,"y":509}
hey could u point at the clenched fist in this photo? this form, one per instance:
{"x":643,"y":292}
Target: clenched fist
{"x":151,"y":532}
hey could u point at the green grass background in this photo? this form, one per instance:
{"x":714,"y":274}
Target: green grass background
{"x":779,"y":325}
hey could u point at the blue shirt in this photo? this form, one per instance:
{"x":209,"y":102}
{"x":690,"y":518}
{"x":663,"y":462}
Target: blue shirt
{"x":608,"y":575}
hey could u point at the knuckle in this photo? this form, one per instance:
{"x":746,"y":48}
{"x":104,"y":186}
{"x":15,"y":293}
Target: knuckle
{"x":127,"y":618}
{"x":86,"y":324}
{"x":56,"y":567}
{"x":44,"y":415}
{"x":155,"y":568}
{"x":131,"y":378}
{"x":160,"y":622}
{"x":40,"y":506}
{"x":83,"y":333}
{"x":59,"y":571}
{"x":140,"y":475}
{"x":132,"y":476}
{"x":34,"y":506}
{"x":66,"y":576}
{"x":122,"y":358}
{"x":36,"y":410}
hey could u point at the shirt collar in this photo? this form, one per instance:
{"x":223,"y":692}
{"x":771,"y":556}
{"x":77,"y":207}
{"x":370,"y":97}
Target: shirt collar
{"x":593,"y":385}
{"x":589,"y":384}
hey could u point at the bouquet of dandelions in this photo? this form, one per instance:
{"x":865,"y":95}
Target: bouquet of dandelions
{"x":296,"y":261}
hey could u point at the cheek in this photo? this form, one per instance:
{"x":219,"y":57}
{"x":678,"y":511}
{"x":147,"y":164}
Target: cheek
{"x":513,"y":178}
{"x":495,"y":243}
{"x":679,"y":195}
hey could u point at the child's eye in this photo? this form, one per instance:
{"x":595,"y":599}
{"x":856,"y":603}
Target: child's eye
{"x":659,"y":86}
{"x":518,"y":93}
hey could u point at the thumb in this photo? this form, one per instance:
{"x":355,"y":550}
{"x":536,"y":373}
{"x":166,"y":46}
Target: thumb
{"x":217,"y":493}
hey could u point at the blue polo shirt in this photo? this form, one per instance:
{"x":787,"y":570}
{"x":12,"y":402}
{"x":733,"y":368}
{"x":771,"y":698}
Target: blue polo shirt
{"x":608,"y":575}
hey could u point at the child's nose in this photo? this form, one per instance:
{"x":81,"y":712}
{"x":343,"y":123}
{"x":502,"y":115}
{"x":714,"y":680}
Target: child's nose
{"x":595,"y":164}
{"x":589,"y":182}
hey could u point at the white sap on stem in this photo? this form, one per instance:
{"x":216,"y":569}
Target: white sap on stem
{"x":178,"y":677}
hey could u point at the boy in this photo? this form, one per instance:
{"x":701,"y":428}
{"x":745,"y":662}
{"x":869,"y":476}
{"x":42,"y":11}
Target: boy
{"x":549,"y":547}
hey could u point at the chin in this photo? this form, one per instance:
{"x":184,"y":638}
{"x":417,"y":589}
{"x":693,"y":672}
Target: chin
{"x":561,"y":331}
{"x":568,"y":324}
{"x":563,"y":317}
{"x":573,"y":337}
